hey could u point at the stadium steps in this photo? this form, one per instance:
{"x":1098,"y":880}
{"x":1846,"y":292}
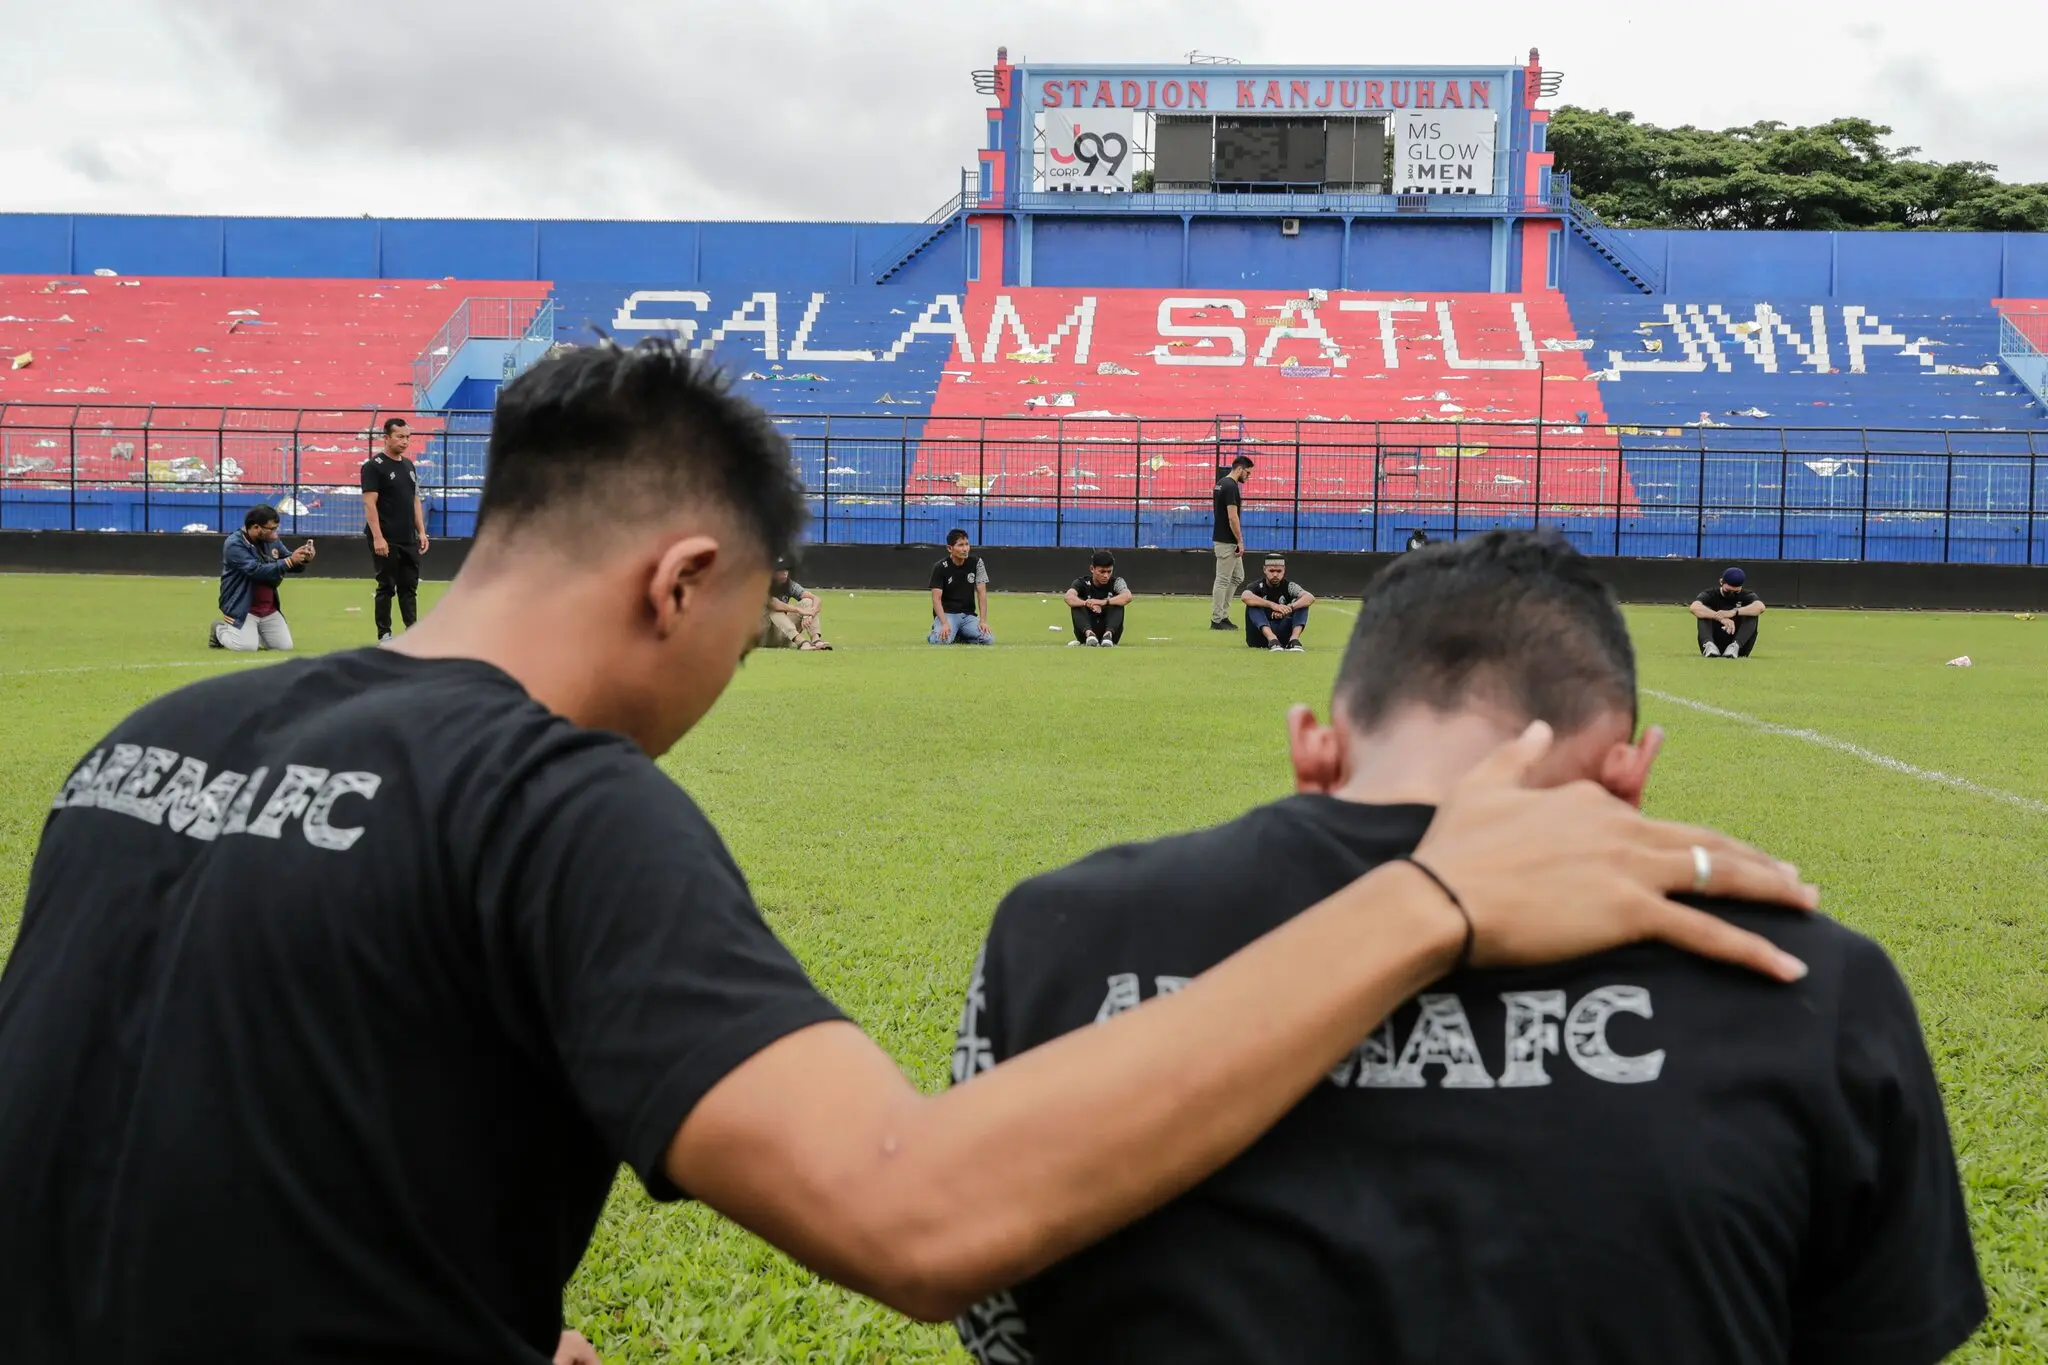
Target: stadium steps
{"x":1646,"y":278}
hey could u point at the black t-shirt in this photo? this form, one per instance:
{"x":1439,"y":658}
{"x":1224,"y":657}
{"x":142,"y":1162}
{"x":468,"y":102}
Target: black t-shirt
{"x":1719,"y":601}
{"x":1286,"y":593}
{"x":396,"y":485}
{"x":1229,"y":494}
{"x":338,"y":1062}
{"x":955,"y":583}
{"x":1635,"y":1156}
{"x":1086,"y":588}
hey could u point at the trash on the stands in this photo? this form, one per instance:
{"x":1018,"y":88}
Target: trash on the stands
{"x":1960,"y":661}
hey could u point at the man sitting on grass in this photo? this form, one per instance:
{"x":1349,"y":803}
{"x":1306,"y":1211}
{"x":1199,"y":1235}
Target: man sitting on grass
{"x":1631,"y":1157}
{"x":252,"y":564}
{"x":1096,"y":601}
{"x":792,"y":618}
{"x":1276,"y":609}
{"x":960,"y":595}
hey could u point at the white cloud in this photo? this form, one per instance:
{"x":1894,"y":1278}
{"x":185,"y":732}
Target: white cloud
{"x":843,"y":108}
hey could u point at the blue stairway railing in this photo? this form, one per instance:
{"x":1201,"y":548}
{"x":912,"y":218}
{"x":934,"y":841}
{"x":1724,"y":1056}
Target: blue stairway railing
{"x":2023,"y":346}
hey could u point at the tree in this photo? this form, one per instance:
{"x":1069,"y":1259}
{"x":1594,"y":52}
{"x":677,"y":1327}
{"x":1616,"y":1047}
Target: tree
{"x":1838,"y":174}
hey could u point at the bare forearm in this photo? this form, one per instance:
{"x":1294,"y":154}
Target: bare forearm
{"x":950,"y":1197}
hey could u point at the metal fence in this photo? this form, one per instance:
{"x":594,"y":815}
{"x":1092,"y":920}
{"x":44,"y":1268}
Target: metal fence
{"x":1958,"y":496}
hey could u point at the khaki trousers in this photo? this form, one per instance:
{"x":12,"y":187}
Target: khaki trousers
{"x":1229,"y":575}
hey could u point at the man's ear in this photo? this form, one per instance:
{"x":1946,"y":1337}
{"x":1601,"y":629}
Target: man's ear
{"x":677,"y":578}
{"x":1317,"y":751}
{"x":1625,"y":771}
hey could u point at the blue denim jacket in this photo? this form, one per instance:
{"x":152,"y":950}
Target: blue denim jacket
{"x":244,"y":564}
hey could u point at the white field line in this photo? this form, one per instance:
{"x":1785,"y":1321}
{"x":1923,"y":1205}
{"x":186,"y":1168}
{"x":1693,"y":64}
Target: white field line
{"x":2031,"y":805}
{"x":116,"y":668}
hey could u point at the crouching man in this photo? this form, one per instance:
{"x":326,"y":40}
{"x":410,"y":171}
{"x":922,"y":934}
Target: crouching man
{"x":252,"y":563}
{"x":1096,"y":601}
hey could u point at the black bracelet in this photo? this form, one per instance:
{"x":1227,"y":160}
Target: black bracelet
{"x":1464,"y":954}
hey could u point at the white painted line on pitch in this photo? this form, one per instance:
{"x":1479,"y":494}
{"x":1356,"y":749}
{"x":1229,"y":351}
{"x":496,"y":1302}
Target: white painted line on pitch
{"x":1842,"y":746}
{"x":115,"y":668}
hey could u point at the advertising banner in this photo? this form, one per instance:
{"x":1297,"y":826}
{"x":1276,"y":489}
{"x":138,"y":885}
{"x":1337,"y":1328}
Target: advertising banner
{"x":1444,"y":152}
{"x":1087,"y":149}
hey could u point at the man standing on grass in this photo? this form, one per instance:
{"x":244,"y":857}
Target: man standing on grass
{"x":792,"y":617}
{"x":960,"y":596}
{"x":378,"y":1119}
{"x":1096,"y":600}
{"x":252,"y":563}
{"x":395,"y":520}
{"x":1276,"y":610}
{"x":1634,"y":1156}
{"x":1227,"y":533}
{"x":1727,"y":615}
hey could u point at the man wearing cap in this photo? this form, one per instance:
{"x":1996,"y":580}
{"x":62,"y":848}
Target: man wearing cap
{"x":1727,"y":615}
{"x":1276,"y":609}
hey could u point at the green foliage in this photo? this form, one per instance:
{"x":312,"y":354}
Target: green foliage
{"x":824,"y":772}
{"x":1838,"y":174}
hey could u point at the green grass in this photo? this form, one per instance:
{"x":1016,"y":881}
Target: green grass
{"x":883,"y":796}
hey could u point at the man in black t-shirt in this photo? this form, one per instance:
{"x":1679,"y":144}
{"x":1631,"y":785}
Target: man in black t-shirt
{"x":343,"y":987}
{"x":395,"y":523}
{"x":1096,"y":601}
{"x":1227,"y":532}
{"x":1727,"y":615}
{"x":1629,"y":1157}
{"x":1276,"y":609}
{"x":960,"y":596}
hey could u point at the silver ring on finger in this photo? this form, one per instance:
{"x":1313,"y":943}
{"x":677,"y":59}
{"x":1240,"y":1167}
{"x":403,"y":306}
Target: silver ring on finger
{"x":1702,"y":868}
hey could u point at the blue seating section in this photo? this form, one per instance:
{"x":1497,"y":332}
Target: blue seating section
{"x":1819,"y":429}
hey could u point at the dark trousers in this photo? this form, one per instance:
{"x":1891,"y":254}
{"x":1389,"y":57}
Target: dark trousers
{"x":398,"y":575}
{"x":1256,"y":619}
{"x":1740,"y":645}
{"x":1108,"y":624}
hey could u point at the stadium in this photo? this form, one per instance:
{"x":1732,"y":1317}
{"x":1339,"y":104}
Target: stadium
{"x":1373,"y":281}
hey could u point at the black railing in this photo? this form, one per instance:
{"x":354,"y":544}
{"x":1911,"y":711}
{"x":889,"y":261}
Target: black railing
{"x":1962,"y":496}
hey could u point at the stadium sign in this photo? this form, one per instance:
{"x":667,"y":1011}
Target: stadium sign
{"x":1265,"y":91}
{"x":1446,"y":152}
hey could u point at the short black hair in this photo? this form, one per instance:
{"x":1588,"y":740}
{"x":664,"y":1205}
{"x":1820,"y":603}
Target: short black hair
{"x":1241,"y":462}
{"x":955,"y":536}
{"x":392,"y":423}
{"x":1512,"y":617}
{"x":1102,"y":559}
{"x":603,"y":432}
{"x":262,"y":514}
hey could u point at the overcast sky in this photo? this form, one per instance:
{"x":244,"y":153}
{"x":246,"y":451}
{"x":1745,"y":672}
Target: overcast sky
{"x":846,"y":108}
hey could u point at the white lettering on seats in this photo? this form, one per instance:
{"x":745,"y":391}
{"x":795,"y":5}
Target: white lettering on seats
{"x":1165,"y":353}
{"x":1080,"y":323}
{"x":1386,"y":308}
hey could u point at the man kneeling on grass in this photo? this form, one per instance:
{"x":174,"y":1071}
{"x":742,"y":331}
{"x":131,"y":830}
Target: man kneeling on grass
{"x":1096,"y":601}
{"x":252,"y":564}
{"x":1634,"y":1156}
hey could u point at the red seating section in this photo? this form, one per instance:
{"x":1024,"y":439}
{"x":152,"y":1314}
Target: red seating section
{"x":241,"y":343}
{"x":1447,"y":388}
{"x":106,"y":366}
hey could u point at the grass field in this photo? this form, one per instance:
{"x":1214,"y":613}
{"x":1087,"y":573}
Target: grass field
{"x":920,"y":783}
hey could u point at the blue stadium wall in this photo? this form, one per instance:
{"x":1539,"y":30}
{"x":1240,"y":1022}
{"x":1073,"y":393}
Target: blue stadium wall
{"x":1125,"y":253}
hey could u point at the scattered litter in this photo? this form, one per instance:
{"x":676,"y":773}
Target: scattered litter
{"x":1567,"y":343}
{"x":2023,"y":616}
{"x":1960,"y":661}
{"x":191,"y":527}
{"x":1449,"y":407}
{"x":1318,"y":296}
{"x":1828,"y":469}
{"x":1161,"y":639}
{"x":1750,"y":412}
{"x":891,"y":400}
{"x":243,"y":313}
{"x":23,"y":361}
{"x":351,"y":608}
{"x":109,"y":274}
{"x":1294,"y":371}
{"x":1034,"y":355}
{"x":61,"y":317}
{"x":1111,"y":367}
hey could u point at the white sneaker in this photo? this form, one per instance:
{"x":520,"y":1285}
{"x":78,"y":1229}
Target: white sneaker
{"x":1294,"y":647}
{"x":1108,"y":643}
{"x":1092,"y":641}
{"x":1277,"y":648}
{"x":1073,"y":644}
